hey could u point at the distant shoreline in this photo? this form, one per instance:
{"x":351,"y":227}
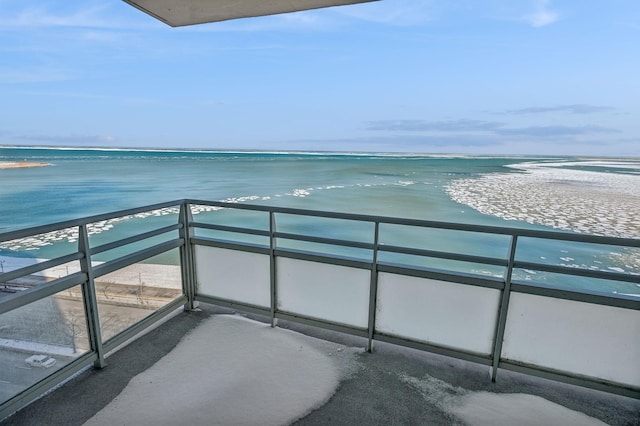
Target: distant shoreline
{"x":21,"y":164}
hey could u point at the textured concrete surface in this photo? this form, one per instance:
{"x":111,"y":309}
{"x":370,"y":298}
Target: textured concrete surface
{"x":391,"y":386}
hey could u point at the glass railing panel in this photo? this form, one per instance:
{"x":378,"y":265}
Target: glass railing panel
{"x":572,"y":254}
{"x":234,"y":237}
{"x":130,"y":294}
{"x":251,"y":221}
{"x":586,"y":339}
{"x":341,"y":229}
{"x":242,"y":218}
{"x":117,"y":228}
{"x":26,"y":251}
{"x":40,"y":338}
{"x":583,"y":258}
{"x":442,"y":265}
{"x":127,"y":249}
{"x":131,"y":226}
{"x":35,"y":279}
{"x":363,"y":254}
{"x":446,"y":240}
{"x":334,"y":293}
{"x":233,"y":275}
{"x":442,"y":313}
{"x":577,"y":283}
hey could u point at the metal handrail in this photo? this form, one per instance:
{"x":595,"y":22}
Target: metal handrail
{"x":187,"y":240}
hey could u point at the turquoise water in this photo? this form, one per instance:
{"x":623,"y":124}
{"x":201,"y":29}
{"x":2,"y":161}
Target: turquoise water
{"x":538,"y":193}
{"x":81,"y":183}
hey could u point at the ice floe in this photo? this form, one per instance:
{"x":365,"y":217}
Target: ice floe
{"x":553,"y":195}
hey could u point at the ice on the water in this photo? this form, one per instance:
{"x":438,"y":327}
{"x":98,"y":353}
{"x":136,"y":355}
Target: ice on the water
{"x":550,"y":194}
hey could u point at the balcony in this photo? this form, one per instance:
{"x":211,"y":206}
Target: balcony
{"x":413,"y":288}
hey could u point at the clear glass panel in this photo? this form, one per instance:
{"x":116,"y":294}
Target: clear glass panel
{"x":235,"y":237}
{"x":128,"y":295}
{"x":597,"y":257}
{"x":444,"y":265}
{"x":327,"y":249}
{"x":446,"y":240}
{"x":129,"y":226}
{"x":576,"y":255}
{"x":39,"y":339}
{"x":246,"y":219}
{"x":340,"y":229}
{"x":32,"y":280}
{"x":231,"y":217}
{"x":25,"y":251}
{"x":577,"y":283}
{"x":117,"y":228}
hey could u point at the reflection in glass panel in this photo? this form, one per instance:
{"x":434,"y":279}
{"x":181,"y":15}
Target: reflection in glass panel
{"x":130,"y":294}
{"x":39,"y":339}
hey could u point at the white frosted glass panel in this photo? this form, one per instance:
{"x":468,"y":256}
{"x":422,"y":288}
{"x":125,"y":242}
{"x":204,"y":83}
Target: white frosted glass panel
{"x":443,"y":313}
{"x":593,"y":340}
{"x":335,"y":293}
{"x":233,"y":275}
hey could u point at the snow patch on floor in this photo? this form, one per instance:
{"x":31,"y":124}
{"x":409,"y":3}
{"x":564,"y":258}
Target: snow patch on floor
{"x":233,"y":371}
{"x":496,"y":409}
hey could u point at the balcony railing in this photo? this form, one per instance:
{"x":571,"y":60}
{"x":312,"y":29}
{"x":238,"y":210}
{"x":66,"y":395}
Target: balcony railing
{"x":485,"y":294}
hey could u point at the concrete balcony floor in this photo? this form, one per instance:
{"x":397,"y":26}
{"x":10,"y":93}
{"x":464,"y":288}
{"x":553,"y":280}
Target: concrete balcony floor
{"x":391,"y":386}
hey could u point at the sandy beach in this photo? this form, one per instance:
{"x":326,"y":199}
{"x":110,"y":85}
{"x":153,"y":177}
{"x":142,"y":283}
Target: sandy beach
{"x":21,"y":164}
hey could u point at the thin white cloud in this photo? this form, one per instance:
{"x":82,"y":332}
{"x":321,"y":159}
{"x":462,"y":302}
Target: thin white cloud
{"x":480,"y":126}
{"x":556,"y":131}
{"x":571,"y":109}
{"x":462,"y":125}
{"x":543,"y":15}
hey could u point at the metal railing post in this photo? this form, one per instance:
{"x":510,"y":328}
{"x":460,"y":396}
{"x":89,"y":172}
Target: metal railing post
{"x":373,"y":288}
{"x":187,"y":258}
{"x":503,"y":310}
{"x":89,"y":297}
{"x":272,"y":267}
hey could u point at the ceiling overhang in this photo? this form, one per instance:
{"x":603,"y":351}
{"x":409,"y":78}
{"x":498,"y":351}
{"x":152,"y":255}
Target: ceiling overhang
{"x":177,"y":13}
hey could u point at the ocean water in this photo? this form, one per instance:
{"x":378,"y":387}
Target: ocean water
{"x":596,"y":196}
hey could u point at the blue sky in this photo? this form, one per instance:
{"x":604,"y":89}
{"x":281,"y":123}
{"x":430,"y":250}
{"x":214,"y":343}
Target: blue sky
{"x":433,"y":76}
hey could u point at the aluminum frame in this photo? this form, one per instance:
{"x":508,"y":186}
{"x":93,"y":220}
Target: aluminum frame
{"x":187,"y":239}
